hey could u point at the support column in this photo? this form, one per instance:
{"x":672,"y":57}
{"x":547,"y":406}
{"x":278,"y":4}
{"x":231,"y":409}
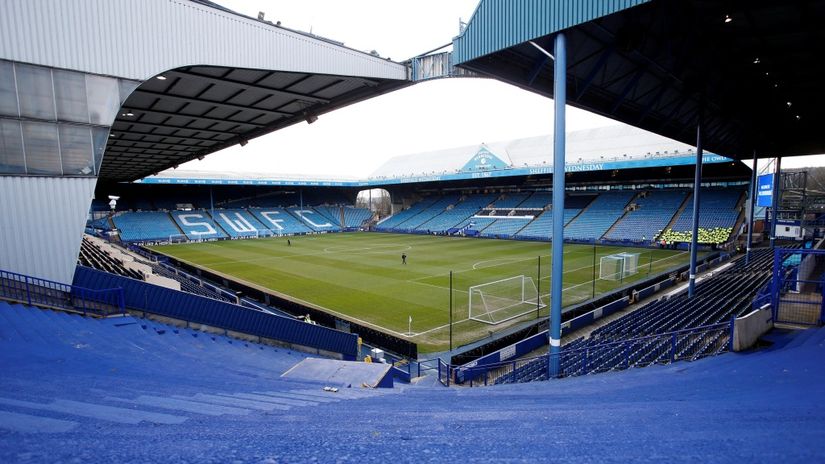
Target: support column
{"x":751,"y":208}
{"x":697,"y":182}
{"x":559,"y":123}
{"x":777,"y":180}
{"x":211,"y":203}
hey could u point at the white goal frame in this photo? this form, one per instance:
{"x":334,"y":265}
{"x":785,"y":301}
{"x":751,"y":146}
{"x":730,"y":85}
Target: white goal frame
{"x":627,"y":264}
{"x":176,"y":238}
{"x":527,"y":298}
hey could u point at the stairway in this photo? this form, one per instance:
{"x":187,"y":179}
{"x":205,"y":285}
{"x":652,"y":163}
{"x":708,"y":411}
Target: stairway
{"x":682,"y":207}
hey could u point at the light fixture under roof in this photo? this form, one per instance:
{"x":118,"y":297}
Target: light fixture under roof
{"x":728,"y":19}
{"x":756,"y":60}
{"x":161,"y":77}
{"x":789,"y":104}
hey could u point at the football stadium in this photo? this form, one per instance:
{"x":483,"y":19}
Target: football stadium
{"x":652,"y":289}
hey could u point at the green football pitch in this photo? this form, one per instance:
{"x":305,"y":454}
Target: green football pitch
{"x":361,"y":277}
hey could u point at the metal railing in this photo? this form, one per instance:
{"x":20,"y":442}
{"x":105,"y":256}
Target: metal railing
{"x":665,"y":348}
{"x":34,"y":291}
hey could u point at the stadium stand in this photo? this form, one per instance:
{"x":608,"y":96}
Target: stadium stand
{"x":718,"y":299}
{"x":537,"y":200}
{"x":313,"y":220}
{"x":91,"y":255}
{"x":461,"y":211}
{"x":717,"y":216}
{"x":188,"y":285}
{"x":397,"y":219}
{"x":511,"y":200}
{"x":655,"y":209}
{"x":144,"y":386}
{"x":542,"y":226}
{"x":599,"y":216}
{"x":330,"y":213}
{"x":197,"y":225}
{"x":429,"y":212}
{"x":279,"y":221}
{"x":239,"y":223}
{"x":505,"y":227}
{"x":356,"y":217}
{"x":145,"y":226}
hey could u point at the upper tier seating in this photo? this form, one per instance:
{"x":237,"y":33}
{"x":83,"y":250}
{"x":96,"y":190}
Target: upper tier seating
{"x":145,"y":226}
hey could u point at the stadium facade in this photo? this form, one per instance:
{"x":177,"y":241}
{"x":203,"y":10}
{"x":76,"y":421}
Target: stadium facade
{"x":99,"y":90}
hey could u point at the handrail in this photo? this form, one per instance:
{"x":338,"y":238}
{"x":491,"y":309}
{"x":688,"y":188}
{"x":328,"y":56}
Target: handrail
{"x":35,"y":291}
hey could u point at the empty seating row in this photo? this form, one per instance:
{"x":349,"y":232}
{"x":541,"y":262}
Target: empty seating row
{"x":92,"y":256}
{"x":652,"y":214}
{"x":631,"y":341}
{"x":599,"y":216}
{"x":235,"y":223}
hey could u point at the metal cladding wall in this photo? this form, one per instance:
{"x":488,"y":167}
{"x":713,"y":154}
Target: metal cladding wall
{"x":201,"y":310}
{"x":499,"y":24}
{"x":41,"y":224}
{"x":139,"y":39}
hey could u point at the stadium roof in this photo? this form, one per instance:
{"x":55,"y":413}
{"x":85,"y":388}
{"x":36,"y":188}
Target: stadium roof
{"x":198,"y":110}
{"x":611,"y":147}
{"x":754,"y":66}
{"x":599,"y":149}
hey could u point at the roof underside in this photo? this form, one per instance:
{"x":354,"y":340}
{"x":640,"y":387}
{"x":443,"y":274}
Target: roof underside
{"x":758,"y":77}
{"x":198,"y":110}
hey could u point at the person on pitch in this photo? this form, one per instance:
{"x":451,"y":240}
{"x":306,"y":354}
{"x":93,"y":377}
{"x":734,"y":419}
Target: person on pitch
{"x":403,"y":258}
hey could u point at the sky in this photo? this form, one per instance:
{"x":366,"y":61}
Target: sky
{"x":444,"y":113}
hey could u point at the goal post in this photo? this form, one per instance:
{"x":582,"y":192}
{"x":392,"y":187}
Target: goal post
{"x":178,"y":238}
{"x":618,"y":266}
{"x":502,"y":300}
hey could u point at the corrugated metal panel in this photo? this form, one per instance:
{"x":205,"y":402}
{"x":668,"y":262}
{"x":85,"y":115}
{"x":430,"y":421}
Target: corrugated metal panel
{"x":139,"y":39}
{"x":499,"y":24}
{"x":41,"y":223}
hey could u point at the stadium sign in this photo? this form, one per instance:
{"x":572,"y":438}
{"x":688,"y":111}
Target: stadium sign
{"x":764,"y":193}
{"x":484,"y":160}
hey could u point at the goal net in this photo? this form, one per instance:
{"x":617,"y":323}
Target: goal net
{"x":505,"y":299}
{"x":178,"y":238}
{"x":618,"y":266}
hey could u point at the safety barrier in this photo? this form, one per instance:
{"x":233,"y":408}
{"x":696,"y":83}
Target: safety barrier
{"x":687,"y":344}
{"x":797,"y":294}
{"x":182,"y":306}
{"x":34,"y":291}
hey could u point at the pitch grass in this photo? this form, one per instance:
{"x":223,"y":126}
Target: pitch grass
{"x":360,"y":277}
